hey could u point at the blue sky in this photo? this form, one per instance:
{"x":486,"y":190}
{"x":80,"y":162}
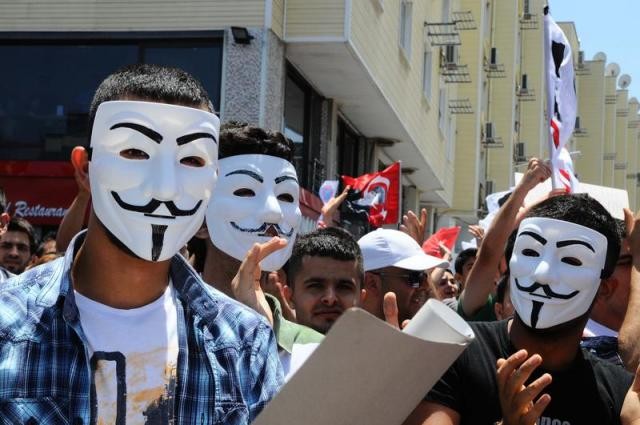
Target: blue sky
{"x":611,"y":27}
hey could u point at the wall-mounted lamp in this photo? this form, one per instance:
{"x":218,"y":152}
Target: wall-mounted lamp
{"x":241,"y":35}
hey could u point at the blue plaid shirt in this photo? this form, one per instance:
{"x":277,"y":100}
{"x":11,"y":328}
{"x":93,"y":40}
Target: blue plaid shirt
{"x":228,"y":367}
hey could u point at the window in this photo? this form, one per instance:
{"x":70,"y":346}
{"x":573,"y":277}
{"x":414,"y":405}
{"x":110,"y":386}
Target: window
{"x":46,"y":86}
{"x":406,"y":14}
{"x":427,"y":66}
{"x":302,"y":120}
{"x":350,"y":148}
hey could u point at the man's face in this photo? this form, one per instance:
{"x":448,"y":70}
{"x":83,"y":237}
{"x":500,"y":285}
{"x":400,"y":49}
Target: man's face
{"x":257,"y":198}
{"x":447,"y":287}
{"x":152,"y":171}
{"x":323,"y":289}
{"x":411,"y":288}
{"x":15,"y":251}
{"x":556,"y":269}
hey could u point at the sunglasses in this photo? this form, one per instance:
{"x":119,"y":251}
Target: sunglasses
{"x":412,"y":278}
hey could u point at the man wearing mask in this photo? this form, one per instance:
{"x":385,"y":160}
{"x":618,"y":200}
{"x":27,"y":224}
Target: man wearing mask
{"x":121,"y":330}
{"x":562,"y":250}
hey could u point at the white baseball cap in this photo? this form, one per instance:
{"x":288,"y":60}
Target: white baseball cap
{"x":386,"y":248}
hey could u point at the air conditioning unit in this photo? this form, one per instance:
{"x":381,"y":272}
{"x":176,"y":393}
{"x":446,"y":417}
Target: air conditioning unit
{"x":519,"y":153}
{"x":488,"y":132}
{"x":488,"y":187}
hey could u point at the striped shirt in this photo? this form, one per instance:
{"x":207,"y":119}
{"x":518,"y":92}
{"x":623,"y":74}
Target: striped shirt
{"x":228,"y":367}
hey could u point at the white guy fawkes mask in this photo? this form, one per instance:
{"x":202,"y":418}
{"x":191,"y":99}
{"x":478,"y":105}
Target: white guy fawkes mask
{"x":556,"y":269}
{"x":257,"y":197}
{"x":152,"y":170}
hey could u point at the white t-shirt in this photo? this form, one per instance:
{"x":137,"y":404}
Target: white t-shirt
{"x":134,"y":357}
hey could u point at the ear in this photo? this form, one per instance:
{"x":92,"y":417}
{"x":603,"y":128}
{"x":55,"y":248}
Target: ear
{"x":372,"y":284}
{"x":363,"y":296}
{"x":288,"y":295}
{"x":607,"y":288}
{"x":80,"y":162}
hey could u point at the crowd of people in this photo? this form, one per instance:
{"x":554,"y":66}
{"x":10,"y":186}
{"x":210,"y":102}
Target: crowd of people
{"x":184,"y":295}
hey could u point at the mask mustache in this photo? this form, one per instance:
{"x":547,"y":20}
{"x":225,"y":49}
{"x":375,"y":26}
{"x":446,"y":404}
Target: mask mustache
{"x":546,"y":289}
{"x":153,"y":205}
{"x":262,"y":229}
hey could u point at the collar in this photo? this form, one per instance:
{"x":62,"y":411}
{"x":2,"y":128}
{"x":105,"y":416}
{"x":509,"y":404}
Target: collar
{"x":594,"y":328}
{"x":188,"y":285}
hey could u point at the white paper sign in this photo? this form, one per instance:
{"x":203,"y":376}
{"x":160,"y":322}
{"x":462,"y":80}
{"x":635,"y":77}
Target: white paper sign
{"x":614,"y":200}
{"x":368,"y":372}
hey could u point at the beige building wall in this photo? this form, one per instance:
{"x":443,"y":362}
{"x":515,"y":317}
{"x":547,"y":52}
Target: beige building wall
{"x":398,"y":75}
{"x":468,"y":147}
{"x":632,"y":153}
{"x":502,"y":112}
{"x":115,"y":15}
{"x":277,"y":16}
{"x":609,"y":130}
{"x":318,"y":19}
{"x":533,"y":131}
{"x":622,"y":116}
{"x":591,"y":107}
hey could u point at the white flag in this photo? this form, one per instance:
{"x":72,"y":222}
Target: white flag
{"x":561,"y":102}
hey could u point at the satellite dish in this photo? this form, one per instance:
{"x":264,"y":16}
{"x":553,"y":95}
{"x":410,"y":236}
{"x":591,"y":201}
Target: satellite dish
{"x":612,"y":70}
{"x":624,"y":81}
{"x":600,"y":56}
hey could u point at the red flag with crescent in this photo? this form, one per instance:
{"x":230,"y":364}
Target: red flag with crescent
{"x":377,"y":195}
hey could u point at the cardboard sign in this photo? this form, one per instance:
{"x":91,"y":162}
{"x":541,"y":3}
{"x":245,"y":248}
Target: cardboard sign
{"x":368,"y":372}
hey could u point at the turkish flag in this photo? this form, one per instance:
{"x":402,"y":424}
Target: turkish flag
{"x":375,"y":196}
{"x":446,"y":235}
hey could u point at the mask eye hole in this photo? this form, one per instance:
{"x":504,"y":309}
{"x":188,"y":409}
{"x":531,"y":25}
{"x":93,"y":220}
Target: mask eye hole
{"x":135,"y":154}
{"x":572,"y":261}
{"x":285,"y":197}
{"x":193,"y":161}
{"x":528,"y":252}
{"x":244,"y":193}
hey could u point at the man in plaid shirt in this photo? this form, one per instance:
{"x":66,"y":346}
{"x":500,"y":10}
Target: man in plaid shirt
{"x":121,"y":330}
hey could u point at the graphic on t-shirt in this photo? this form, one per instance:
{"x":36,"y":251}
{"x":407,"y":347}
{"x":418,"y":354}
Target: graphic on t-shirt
{"x":133,"y":356}
{"x":126,"y":390}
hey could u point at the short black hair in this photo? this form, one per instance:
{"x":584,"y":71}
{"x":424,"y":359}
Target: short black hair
{"x":332,"y":242}
{"x":463,"y":257}
{"x":241,"y":139}
{"x":585,"y":211}
{"x":19,"y":224}
{"x":154,"y":83}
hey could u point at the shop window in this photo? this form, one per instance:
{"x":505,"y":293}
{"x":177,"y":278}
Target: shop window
{"x":350,"y":149}
{"x":46,"y":85}
{"x":302,"y":122}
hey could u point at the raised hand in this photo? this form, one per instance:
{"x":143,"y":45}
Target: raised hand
{"x":518,"y":402}
{"x":246,"y":283}
{"x":415,"y":226}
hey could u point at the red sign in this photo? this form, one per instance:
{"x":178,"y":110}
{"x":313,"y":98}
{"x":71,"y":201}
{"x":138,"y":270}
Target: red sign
{"x":39,"y":191}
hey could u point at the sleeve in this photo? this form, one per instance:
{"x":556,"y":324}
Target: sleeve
{"x":261,"y":371}
{"x":486,"y":313}
{"x":448,"y":390}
